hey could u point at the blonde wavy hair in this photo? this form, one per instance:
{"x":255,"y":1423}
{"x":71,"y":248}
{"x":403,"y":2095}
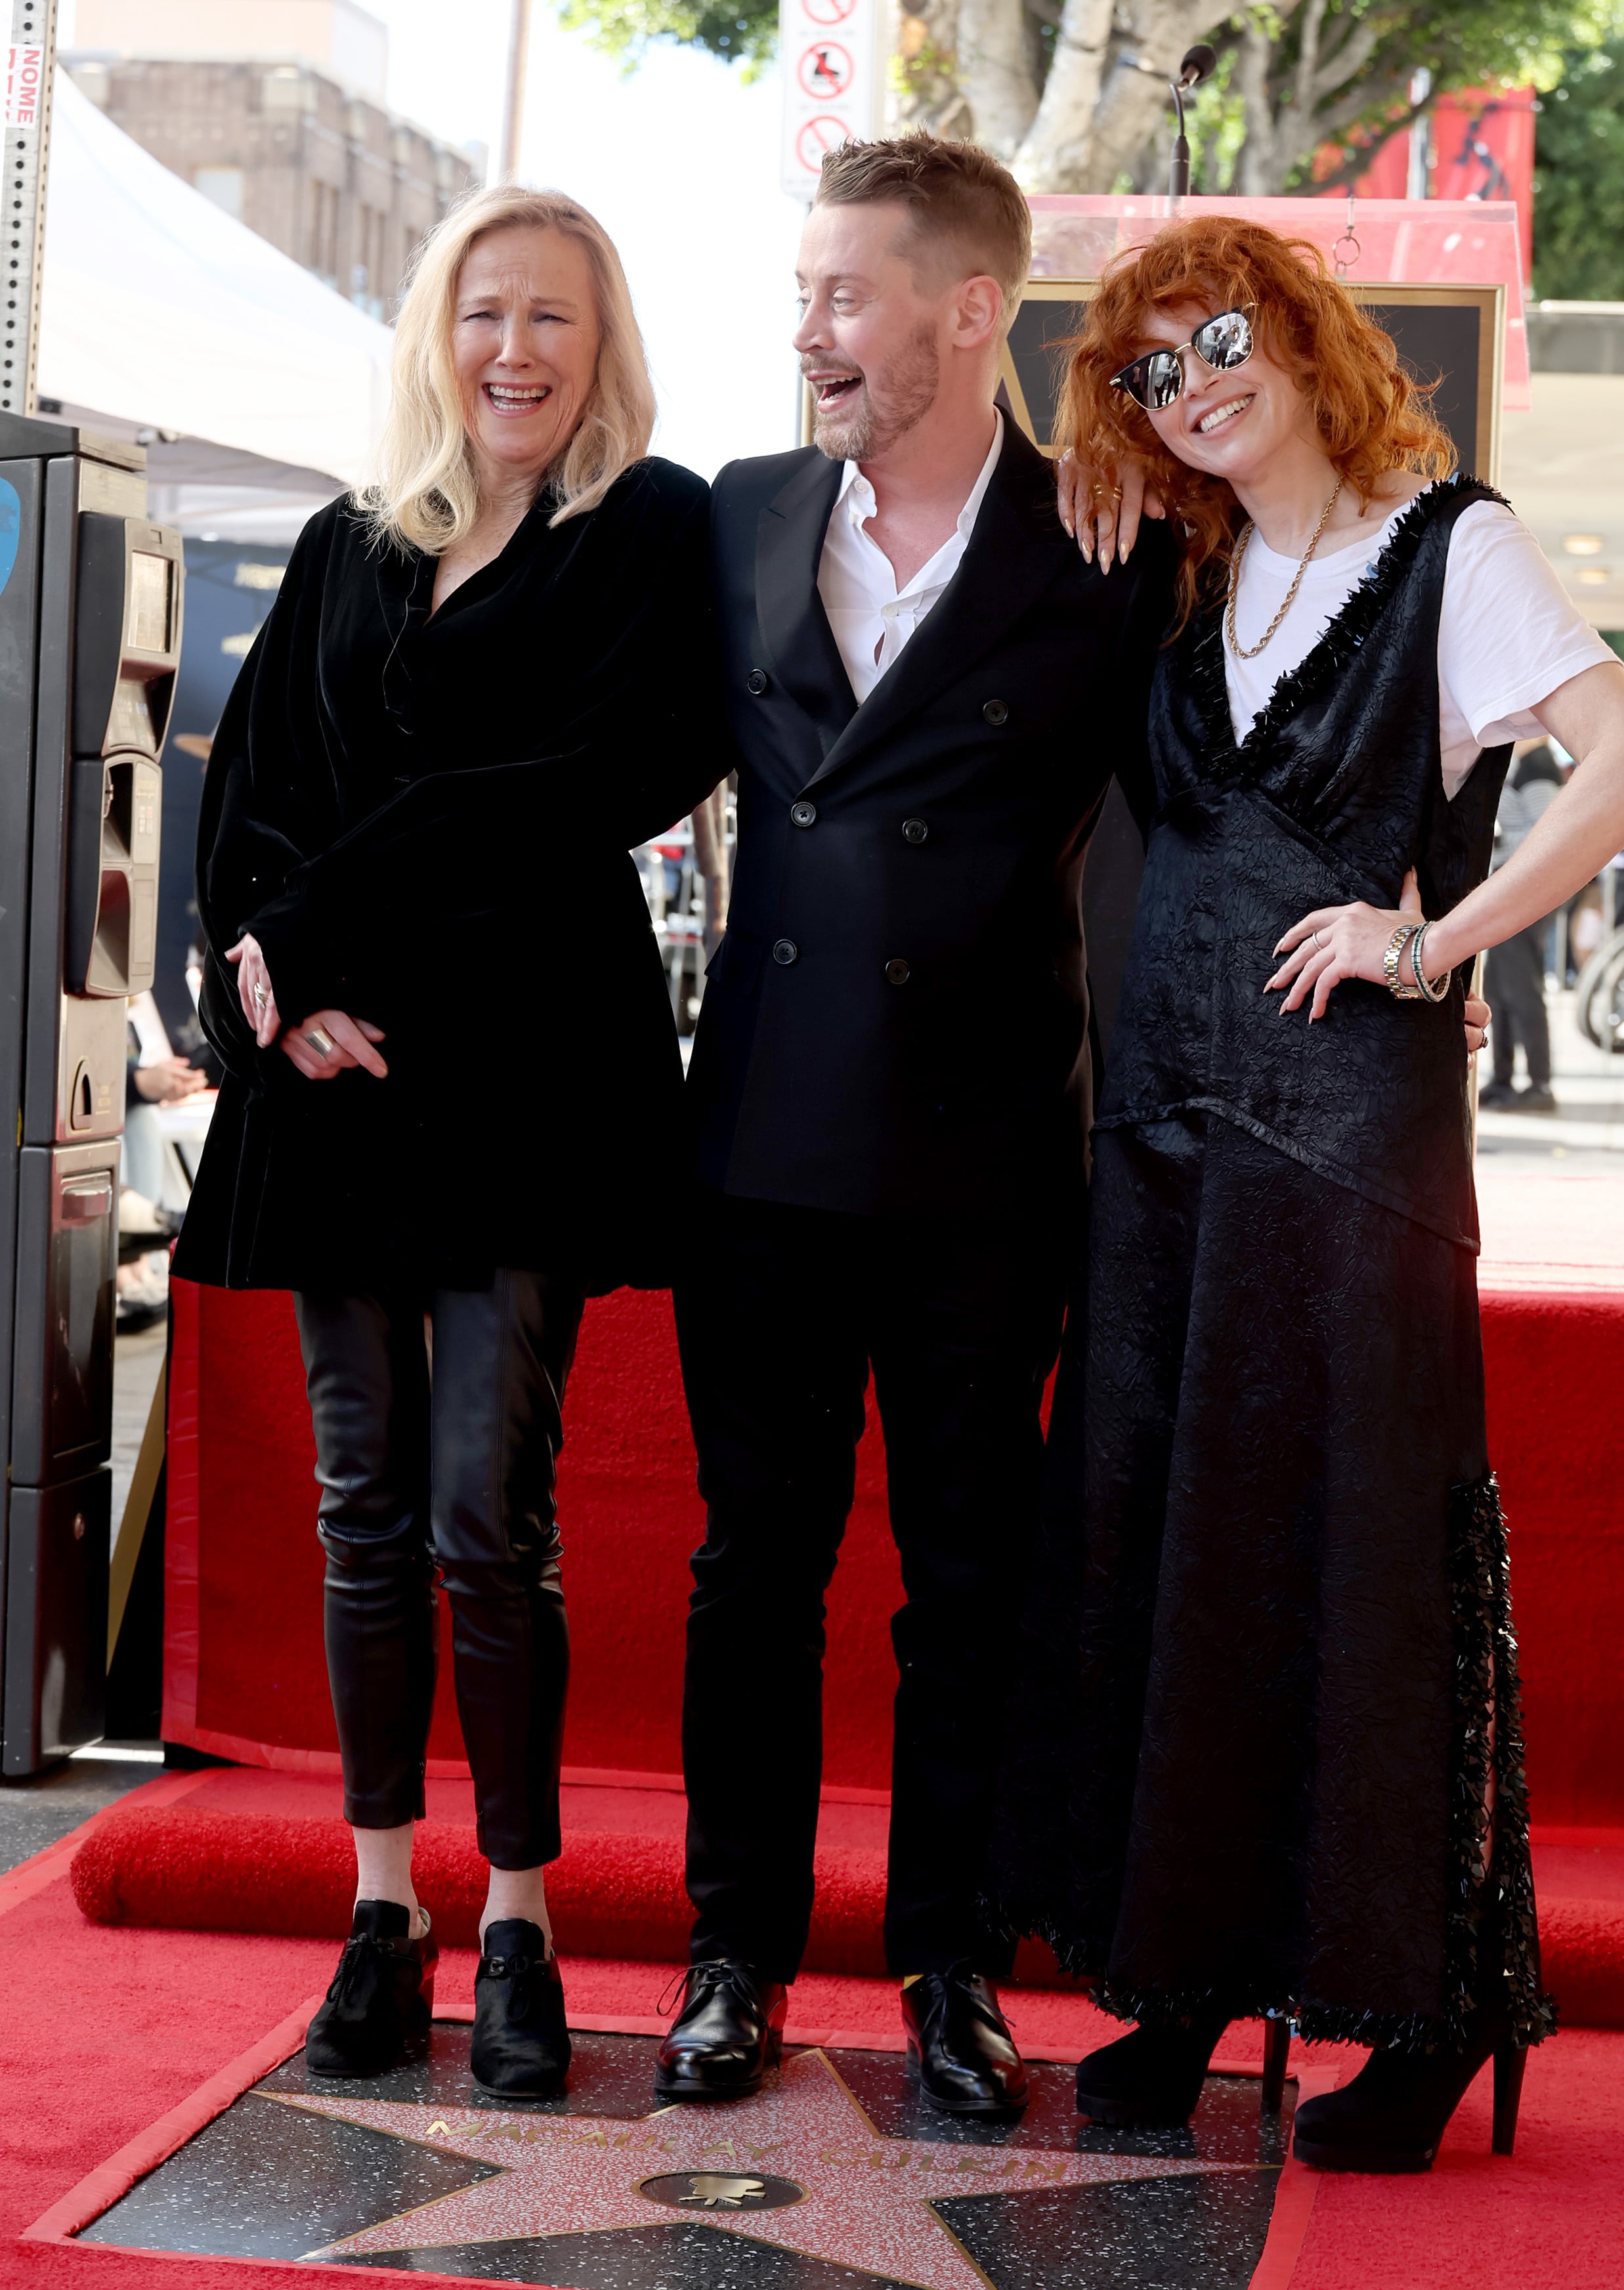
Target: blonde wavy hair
{"x":426,"y":489}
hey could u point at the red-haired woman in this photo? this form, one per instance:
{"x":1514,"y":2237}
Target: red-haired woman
{"x":1276,"y":1768}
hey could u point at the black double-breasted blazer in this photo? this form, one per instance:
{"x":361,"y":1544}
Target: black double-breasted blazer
{"x":896,"y":1021}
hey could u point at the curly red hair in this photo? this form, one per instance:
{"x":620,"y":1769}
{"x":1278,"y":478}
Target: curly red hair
{"x":1372,"y":417}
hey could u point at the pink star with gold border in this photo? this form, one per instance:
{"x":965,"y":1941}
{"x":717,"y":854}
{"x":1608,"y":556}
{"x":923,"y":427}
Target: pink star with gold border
{"x":800,"y":2167}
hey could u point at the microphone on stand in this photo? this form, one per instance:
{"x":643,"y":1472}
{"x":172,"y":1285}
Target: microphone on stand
{"x":1199,"y":63}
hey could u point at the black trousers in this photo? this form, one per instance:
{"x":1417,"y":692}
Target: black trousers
{"x":779,"y":1317}
{"x":450,"y":1475}
{"x":1515,"y":984}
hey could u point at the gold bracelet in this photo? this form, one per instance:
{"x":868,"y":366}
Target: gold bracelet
{"x":1389,"y":964}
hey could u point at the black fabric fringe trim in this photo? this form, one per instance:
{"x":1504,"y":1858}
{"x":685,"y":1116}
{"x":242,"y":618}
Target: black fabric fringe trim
{"x":1344,"y":638}
{"x":1497,"y":1909}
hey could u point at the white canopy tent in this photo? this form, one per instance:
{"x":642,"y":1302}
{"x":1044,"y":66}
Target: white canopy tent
{"x":161,"y":312}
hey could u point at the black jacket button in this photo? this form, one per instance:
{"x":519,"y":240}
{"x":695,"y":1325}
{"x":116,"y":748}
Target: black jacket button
{"x":899,"y":972}
{"x":914,"y":831}
{"x":757,"y":681}
{"x":803,"y":814}
{"x":996,"y":712}
{"x":785,"y":950}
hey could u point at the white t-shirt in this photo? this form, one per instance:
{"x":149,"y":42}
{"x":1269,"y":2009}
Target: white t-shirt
{"x":1508,"y":633}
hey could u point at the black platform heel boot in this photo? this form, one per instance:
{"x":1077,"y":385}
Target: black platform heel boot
{"x":1151,"y":2080}
{"x":382,"y":1994}
{"x":521,"y":2047}
{"x":1393,"y":2115}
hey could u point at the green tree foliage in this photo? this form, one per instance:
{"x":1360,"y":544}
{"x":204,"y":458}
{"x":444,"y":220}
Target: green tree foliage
{"x":746,"y":33}
{"x":1579,"y":181}
{"x":1298,"y":76}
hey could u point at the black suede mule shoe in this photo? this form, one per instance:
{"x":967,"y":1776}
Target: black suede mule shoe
{"x":1393,"y":2115}
{"x":958,"y":2037}
{"x":729,"y":2032}
{"x":382,"y":1993}
{"x":1151,"y":2080}
{"x":521,"y":2047}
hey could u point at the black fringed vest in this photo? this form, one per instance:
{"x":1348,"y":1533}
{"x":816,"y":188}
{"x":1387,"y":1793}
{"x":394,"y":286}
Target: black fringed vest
{"x":1335,"y":792}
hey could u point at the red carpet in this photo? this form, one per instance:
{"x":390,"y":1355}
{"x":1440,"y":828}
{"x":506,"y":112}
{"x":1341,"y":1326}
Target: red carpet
{"x":108,"y":2029}
{"x":259,"y":1852}
{"x":244,"y":1669}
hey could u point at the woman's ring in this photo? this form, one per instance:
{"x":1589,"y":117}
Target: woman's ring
{"x":260,"y":996}
{"x":320,"y":1040}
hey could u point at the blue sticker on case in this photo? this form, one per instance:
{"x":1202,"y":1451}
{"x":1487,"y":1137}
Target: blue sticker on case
{"x":11,"y":531}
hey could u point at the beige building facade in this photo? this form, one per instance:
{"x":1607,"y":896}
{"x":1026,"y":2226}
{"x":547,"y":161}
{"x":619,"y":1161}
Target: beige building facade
{"x":274,"y":109}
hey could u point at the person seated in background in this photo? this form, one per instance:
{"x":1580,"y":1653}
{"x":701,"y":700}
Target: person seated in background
{"x":481,"y":683}
{"x":1514,"y":972}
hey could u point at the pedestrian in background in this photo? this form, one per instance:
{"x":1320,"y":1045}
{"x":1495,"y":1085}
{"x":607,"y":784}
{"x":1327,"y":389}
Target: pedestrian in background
{"x":1515,"y":982}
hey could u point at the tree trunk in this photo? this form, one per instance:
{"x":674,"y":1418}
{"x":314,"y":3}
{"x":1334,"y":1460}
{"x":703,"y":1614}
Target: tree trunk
{"x":926,"y":66}
{"x":1135,"y":101}
{"x":1054,"y":155}
{"x":1255,"y":166}
{"x":995,"y":72}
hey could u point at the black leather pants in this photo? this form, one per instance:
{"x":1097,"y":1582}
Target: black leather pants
{"x":453,"y":1475}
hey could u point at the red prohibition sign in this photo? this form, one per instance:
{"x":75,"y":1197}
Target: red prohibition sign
{"x":825,"y":69}
{"x":827,"y":12}
{"x":818,"y":136}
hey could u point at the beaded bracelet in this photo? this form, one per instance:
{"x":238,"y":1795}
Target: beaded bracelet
{"x":1389,"y":965}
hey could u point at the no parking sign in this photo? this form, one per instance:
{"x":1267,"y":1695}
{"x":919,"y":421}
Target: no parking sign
{"x":833,"y":67}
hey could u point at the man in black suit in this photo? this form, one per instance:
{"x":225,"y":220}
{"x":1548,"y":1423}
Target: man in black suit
{"x":930,"y":689}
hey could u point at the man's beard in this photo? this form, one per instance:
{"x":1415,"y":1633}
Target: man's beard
{"x":859,"y":428}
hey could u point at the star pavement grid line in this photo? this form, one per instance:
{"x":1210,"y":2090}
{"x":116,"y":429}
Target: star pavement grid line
{"x":809,"y":2127}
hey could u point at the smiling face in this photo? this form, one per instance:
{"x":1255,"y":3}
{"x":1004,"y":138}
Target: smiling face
{"x":872,"y":333}
{"x":1232,"y":425}
{"x":524,"y":343}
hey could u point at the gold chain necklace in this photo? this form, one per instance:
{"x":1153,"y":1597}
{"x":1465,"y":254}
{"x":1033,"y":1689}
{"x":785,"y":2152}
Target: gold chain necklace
{"x":1251,"y":652}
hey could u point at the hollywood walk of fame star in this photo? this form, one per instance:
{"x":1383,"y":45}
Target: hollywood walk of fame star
{"x":800,"y":2166}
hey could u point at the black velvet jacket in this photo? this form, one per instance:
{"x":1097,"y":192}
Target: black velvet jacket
{"x":425,"y":821}
{"x":896,"y":1023}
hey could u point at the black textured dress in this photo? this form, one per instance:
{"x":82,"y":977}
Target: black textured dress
{"x":1272,"y":1688}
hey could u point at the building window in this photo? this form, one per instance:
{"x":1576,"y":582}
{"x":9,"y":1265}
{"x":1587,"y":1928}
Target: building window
{"x":367,"y":278}
{"x":323,"y":258}
{"x":222,"y":187}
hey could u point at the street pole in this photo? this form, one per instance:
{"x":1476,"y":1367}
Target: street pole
{"x":30,"y":63}
{"x":518,"y":59}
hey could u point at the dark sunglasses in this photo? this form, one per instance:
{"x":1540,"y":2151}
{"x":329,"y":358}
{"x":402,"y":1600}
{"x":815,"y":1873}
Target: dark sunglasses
{"x":1156,"y":380}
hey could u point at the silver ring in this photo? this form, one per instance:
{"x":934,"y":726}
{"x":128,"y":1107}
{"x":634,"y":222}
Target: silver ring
{"x":320,"y":1040}
{"x":260,"y":996}
{"x":1319,"y":941}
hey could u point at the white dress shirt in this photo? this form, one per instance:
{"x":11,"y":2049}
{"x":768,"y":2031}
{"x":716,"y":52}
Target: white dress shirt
{"x":871,"y":618}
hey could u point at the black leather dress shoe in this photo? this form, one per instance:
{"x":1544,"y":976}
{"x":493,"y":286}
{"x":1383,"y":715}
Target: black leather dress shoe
{"x":729,"y":2032}
{"x":968,"y":2063}
{"x":521,"y":2047}
{"x":382,"y":1993}
{"x":1150,"y":2081}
